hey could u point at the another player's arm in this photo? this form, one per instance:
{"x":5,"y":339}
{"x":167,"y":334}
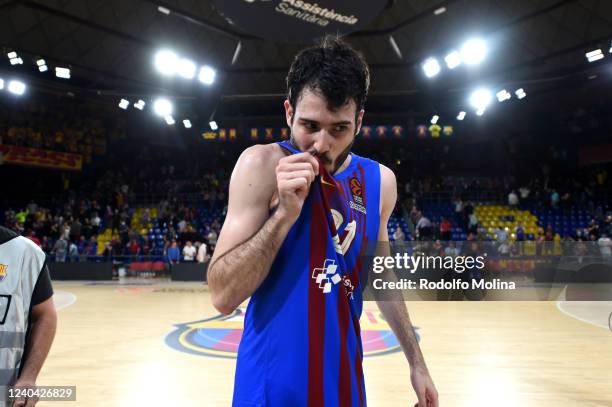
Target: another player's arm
{"x":394,"y":309}
{"x":250,"y":238}
{"x":43,"y":323}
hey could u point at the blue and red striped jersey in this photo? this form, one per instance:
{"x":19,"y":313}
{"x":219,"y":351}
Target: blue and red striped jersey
{"x":301,"y":344}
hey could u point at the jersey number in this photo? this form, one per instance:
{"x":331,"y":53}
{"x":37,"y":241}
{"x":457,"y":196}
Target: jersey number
{"x":5,"y":303}
{"x":343,"y":245}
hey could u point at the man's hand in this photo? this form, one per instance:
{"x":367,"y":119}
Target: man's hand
{"x":294,"y":175}
{"x":424,"y":388}
{"x":23,"y":401}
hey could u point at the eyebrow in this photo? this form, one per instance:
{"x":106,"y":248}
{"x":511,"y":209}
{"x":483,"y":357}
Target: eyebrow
{"x":303,"y":119}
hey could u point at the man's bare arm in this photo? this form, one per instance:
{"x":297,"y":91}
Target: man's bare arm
{"x":394,"y":309}
{"x":43,"y":324}
{"x":250,"y":240}
{"x":239,"y":272}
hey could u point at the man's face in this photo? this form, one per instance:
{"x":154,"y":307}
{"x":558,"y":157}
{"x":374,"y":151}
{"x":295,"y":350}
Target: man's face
{"x":327,"y":134}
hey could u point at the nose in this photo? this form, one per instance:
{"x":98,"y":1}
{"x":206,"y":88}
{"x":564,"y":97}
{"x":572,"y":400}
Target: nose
{"x":322,"y":141}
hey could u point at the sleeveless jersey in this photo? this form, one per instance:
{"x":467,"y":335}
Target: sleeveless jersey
{"x":301,"y":344}
{"x":20,"y":264}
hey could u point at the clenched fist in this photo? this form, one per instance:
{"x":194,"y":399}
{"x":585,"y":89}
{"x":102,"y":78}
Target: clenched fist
{"x":294,"y":175}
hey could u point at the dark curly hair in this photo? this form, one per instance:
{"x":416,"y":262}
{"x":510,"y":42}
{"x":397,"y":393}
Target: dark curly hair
{"x":332,"y":68}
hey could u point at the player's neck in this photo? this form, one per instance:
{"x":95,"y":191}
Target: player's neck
{"x":344,"y":165}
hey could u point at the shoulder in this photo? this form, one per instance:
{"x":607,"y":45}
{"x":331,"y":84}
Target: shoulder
{"x":387,"y":180}
{"x":261,"y":156}
{"x":253,"y":180}
{"x":6,"y":234}
{"x":388,"y":191}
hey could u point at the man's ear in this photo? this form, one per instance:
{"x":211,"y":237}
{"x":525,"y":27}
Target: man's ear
{"x":359,"y":121}
{"x":288,"y":113}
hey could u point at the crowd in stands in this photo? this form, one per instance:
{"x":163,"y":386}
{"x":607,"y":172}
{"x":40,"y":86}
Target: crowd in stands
{"x":71,"y":231}
{"x":186,"y":185}
{"x":70,"y":128}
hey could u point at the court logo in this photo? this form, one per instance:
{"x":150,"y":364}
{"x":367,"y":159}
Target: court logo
{"x":220,"y":336}
{"x":3,"y":271}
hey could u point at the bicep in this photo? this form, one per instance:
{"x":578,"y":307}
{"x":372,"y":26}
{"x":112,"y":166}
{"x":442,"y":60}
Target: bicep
{"x":251,"y":187}
{"x":45,"y":308}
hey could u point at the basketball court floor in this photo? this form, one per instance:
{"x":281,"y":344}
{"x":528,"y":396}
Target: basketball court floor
{"x":163,"y":344}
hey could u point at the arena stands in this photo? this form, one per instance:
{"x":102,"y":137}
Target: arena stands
{"x":133,"y":198}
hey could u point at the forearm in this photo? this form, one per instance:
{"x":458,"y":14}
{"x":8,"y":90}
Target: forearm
{"x":235,"y":275}
{"x":396,"y":315}
{"x":40,"y":340}
{"x":393,"y":307}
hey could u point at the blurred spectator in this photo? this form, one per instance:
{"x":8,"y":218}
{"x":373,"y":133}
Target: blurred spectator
{"x":539,"y":243}
{"x":472,"y":224}
{"x":174,"y":254}
{"x":212,"y":239}
{"x":134,"y":247}
{"x":549,"y":238}
{"x":189,"y":252}
{"x":519,"y":233}
{"x":171,"y":234}
{"x":554,"y":199}
{"x":423,"y":227}
{"x":524,"y":194}
{"x":60,"y":249}
{"x":92,"y":247}
{"x":502,"y":235}
{"x":398,"y":235}
{"x":81,"y":245}
{"x":32,"y":236}
{"x":73,"y":252}
{"x":445,"y":230}
{"x":75,"y":229}
{"x":593,"y":228}
{"x":605,"y":246}
{"x":147,"y":248}
{"x":504,"y":248}
{"x":124,"y":232}
{"x":202,"y":257}
{"x":108,"y":251}
{"x":513,"y":199}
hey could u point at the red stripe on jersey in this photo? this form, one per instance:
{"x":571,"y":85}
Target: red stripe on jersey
{"x":316,"y":303}
{"x":344,"y":374}
{"x":363,"y":183}
{"x":358,"y":358}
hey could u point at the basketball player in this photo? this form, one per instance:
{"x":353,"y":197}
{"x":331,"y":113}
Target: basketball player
{"x":27,"y":314}
{"x":300,"y":213}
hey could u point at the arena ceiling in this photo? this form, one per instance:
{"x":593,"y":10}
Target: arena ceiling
{"x":539,"y":45}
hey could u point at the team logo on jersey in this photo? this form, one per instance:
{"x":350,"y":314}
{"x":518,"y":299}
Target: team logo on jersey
{"x":3,"y":271}
{"x":220,"y":336}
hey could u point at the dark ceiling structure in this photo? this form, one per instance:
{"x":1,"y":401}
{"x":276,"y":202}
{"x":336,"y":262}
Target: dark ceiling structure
{"x":109,"y":45}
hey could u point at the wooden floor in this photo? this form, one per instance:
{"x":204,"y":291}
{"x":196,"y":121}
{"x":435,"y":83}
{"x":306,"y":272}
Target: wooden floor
{"x":111,"y":345}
